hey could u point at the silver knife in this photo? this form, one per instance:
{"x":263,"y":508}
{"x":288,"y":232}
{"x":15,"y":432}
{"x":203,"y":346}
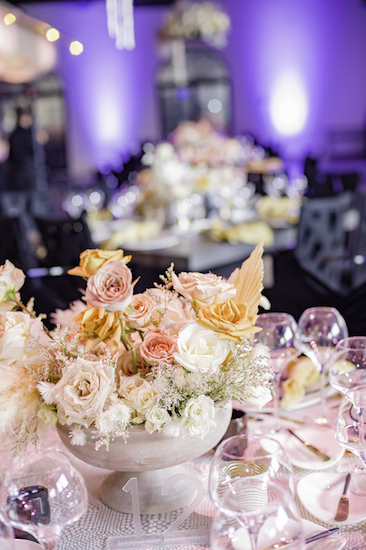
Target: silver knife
{"x":311,"y":448}
{"x":318,"y":536}
{"x":343,"y":505}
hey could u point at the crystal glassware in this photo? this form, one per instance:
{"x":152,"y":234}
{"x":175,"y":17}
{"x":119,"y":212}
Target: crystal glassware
{"x":319,"y":329}
{"x":278,"y":332}
{"x":350,"y":427}
{"x":347,"y":366}
{"x":42,"y":492}
{"x":252,"y":481}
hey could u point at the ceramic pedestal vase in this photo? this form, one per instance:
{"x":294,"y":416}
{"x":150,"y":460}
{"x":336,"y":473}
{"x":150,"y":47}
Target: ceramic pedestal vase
{"x":152,"y":459}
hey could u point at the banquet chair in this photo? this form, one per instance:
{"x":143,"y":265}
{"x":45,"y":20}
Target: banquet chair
{"x":322,"y":241}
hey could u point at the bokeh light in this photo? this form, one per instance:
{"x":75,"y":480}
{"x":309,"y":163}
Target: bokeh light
{"x":76,"y":47}
{"x":9,"y":19}
{"x":52,"y":35}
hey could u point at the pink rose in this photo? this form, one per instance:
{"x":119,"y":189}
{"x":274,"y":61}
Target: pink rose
{"x":175,"y":312}
{"x":143,"y":306}
{"x":203,"y":286}
{"x":158,"y":345}
{"x":110,"y":287}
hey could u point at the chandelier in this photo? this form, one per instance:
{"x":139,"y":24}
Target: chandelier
{"x":120,"y":23}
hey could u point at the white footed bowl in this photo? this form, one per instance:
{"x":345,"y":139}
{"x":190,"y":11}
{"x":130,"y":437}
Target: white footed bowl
{"x":152,"y":459}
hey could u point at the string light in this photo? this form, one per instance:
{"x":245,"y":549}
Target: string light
{"x":52,"y":35}
{"x":9,"y":19}
{"x":76,"y":47}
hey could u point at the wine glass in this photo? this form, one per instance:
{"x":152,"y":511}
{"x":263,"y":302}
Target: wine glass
{"x":319,"y":329}
{"x":6,"y":534}
{"x":347,"y":367}
{"x":278,"y":332}
{"x":350,"y":427}
{"x":242,"y":522}
{"x":41,"y":493}
{"x":246,"y":464}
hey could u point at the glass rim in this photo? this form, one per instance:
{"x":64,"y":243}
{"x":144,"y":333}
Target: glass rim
{"x":243,"y":437}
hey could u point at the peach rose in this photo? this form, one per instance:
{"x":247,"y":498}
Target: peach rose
{"x":93,"y":259}
{"x":98,"y":326}
{"x":170,"y":310}
{"x":158,"y":345}
{"x":126,"y":367}
{"x":111,"y":287}
{"x":139,"y":316}
{"x":229,"y":320}
{"x":202,"y":287}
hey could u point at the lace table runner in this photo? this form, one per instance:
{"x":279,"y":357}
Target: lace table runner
{"x":102,"y":528}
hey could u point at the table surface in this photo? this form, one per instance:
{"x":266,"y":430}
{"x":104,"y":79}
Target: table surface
{"x":102,"y":528}
{"x":200,"y":253}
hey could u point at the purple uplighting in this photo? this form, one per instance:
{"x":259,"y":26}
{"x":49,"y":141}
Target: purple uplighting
{"x":296,"y":67}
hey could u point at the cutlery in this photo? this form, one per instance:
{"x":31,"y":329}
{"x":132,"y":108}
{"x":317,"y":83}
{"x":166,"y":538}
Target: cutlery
{"x":318,"y":536}
{"x":343,"y":505}
{"x":311,"y":448}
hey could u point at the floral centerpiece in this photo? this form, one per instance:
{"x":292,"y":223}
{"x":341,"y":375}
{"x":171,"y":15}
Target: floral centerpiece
{"x":164,"y":358}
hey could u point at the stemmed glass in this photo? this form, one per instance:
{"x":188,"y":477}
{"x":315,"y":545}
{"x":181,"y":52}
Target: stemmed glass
{"x":350,"y":427}
{"x":347,"y":367}
{"x":251,"y":478}
{"x":319,"y":329}
{"x":41,"y":493}
{"x":6,"y":534}
{"x":278,"y":332}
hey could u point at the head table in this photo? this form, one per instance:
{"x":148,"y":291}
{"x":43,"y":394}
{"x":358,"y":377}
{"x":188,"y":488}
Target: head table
{"x":102,"y":528}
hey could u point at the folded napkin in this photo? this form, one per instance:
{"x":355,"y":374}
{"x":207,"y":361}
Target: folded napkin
{"x":251,"y":232}
{"x":282,"y":208}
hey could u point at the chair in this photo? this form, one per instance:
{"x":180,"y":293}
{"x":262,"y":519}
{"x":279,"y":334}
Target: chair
{"x":322,"y":241}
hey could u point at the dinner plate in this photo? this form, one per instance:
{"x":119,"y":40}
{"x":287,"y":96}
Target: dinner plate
{"x":302,"y":457}
{"x":320,"y":493}
{"x":309,"y":399}
{"x":162,"y":241}
{"x":23,"y":544}
{"x":267,"y":536}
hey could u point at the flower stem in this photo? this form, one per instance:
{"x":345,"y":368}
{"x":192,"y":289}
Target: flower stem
{"x":128,"y":345}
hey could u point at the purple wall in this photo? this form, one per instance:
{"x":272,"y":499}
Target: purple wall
{"x":111,"y":98}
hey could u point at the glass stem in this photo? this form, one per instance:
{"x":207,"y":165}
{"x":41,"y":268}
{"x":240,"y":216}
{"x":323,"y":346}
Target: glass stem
{"x":323,"y":397}
{"x":276,"y":387}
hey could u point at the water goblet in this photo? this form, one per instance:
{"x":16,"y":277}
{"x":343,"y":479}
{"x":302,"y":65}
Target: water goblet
{"x":242,"y":522}
{"x":347,"y":365}
{"x":350,"y":426}
{"x":278,"y":332}
{"x":319,"y":329}
{"x":41,"y":493}
{"x":254,"y":457}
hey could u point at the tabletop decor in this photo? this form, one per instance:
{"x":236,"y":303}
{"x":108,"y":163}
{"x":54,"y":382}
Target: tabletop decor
{"x":165,"y":362}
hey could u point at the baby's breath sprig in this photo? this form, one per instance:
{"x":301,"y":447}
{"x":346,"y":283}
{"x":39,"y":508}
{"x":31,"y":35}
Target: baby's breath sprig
{"x":166,"y":278}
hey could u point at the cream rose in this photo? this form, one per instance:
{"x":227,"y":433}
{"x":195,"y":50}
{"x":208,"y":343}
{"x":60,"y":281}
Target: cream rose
{"x":158,"y":345}
{"x":111,"y":287}
{"x":143,"y":398}
{"x":156,"y":419}
{"x":128,"y":384}
{"x":15,"y":330}
{"x":81,"y":393}
{"x":47,"y":416}
{"x":203,"y":286}
{"x":198,"y":416}
{"x":139,"y":316}
{"x":11,"y":280}
{"x":200,"y":349}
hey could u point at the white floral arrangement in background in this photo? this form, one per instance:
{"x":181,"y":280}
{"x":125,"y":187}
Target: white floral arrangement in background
{"x":164,"y":358}
{"x":192,"y":20}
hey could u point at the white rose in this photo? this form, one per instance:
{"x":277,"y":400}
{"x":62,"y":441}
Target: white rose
{"x":143,"y":398}
{"x":198,"y":416}
{"x":156,"y":419}
{"x":11,"y":280}
{"x":15,"y":331}
{"x":81,"y":393}
{"x":47,"y":416}
{"x":128,"y":384}
{"x":200,"y":349}
{"x":259,"y":396}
